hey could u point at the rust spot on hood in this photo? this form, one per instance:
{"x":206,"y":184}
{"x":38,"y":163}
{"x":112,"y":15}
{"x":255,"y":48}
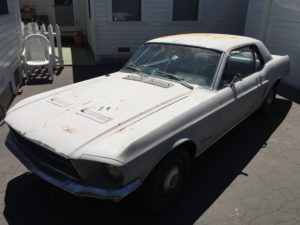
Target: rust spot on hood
{"x":68,"y":129}
{"x":121,"y":130}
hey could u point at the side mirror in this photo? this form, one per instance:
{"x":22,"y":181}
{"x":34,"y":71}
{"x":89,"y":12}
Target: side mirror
{"x":237,"y":77}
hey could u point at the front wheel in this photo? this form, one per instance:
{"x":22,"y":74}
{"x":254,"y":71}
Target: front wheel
{"x":166,"y":183}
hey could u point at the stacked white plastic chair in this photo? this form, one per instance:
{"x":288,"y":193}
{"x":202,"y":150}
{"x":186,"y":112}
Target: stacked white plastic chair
{"x":37,"y":53}
{"x":31,"y":28}
{"x":53,"y":38}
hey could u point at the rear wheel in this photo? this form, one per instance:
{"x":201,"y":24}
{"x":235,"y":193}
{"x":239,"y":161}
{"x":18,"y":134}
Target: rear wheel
{"x":166,"y":183}
{"x":269,"y":100}
{"x":2,"y":114}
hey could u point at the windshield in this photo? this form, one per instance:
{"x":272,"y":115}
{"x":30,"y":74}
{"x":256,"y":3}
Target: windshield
{"x":187,"y":64}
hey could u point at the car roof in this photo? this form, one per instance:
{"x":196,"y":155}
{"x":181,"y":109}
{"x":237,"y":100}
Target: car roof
{"x":221,"y":42}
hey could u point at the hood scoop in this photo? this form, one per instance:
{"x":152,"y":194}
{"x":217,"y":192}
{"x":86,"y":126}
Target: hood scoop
{"x":96,"y":113}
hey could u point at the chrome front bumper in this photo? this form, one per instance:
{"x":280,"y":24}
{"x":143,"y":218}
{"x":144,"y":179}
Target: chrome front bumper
{"x":71,"y":185}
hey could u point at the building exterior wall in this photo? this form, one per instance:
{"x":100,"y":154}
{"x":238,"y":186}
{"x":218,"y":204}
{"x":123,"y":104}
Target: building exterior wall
{"x":282,"y":31}
{"x":220,"y":16}
{"x":10,"y":50}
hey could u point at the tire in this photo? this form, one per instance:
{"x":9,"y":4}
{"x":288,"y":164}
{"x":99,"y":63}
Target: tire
{"x":167,"y":181}
{"x":2,"y":114}
{"x":269,"y":100}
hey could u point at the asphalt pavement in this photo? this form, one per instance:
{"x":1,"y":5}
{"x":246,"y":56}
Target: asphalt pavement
{"x":251,"y":176}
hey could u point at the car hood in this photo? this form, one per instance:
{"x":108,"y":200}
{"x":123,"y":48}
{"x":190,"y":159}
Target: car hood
{"x":66,"y":121}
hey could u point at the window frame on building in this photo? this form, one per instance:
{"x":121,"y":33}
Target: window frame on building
{"x":138,"y":18}
{"x":196,"y":17}
{"x":4,"y":7}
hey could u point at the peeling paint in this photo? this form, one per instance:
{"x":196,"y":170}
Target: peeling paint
{"x":121,"y":130}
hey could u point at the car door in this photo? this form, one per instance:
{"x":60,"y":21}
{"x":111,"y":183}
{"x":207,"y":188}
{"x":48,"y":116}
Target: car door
{"x":240,"y":90}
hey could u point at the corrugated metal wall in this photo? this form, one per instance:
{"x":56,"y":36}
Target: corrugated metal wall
{"x":282,"y":31}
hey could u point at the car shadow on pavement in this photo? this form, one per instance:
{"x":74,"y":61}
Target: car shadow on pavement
{"x":32,"y":201}
{"x":289,"y":92}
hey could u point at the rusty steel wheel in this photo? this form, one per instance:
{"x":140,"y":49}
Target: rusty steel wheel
{"x":167,"y":181}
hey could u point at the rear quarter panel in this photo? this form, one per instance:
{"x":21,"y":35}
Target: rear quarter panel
{"x":276,"y":69}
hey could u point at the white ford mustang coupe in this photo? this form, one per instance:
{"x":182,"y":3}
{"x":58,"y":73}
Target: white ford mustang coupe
{"x":143,"y":125}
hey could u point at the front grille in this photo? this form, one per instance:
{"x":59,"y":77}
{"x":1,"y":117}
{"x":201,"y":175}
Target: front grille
{"x":46,"y":160}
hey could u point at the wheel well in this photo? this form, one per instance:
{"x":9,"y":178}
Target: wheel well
{"x":190,"y":146}
{"x":277,"y":82}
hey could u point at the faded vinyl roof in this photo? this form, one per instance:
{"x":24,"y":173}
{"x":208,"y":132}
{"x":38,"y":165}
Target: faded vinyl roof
{"x":222,"y":42}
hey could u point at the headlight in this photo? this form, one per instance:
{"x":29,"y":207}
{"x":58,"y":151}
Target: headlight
{"x":115,"y":172}
{"x":96,"y":173}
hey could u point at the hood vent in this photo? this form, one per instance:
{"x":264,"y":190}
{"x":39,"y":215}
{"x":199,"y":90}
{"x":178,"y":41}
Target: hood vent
{"x":93,"y":113}
{"x":59,"y":102}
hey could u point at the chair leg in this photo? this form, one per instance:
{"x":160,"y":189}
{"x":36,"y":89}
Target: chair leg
{"x":50,"y":70}
{"x":27,"y":72}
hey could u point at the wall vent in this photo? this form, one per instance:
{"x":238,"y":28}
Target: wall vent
{"x":123,"y":49}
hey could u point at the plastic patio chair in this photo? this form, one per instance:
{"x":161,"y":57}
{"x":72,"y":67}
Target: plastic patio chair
{"x":31,"y":28}
{"x":37,"y":53}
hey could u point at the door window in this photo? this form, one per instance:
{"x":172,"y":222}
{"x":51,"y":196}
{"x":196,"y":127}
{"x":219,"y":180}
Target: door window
{"x":241,"y":62}
{"x":64,"y":12}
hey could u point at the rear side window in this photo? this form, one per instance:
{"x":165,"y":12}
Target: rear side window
{"x":241,"y":62}
{"x":259,"y":63}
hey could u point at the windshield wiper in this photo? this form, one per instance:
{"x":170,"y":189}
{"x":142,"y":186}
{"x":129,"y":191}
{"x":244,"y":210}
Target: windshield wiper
{"x":173,"y":77}
{"x":137,"y":69}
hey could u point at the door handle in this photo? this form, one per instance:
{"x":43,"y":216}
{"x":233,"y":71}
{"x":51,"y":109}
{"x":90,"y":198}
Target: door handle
{"x":260,"y":79}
